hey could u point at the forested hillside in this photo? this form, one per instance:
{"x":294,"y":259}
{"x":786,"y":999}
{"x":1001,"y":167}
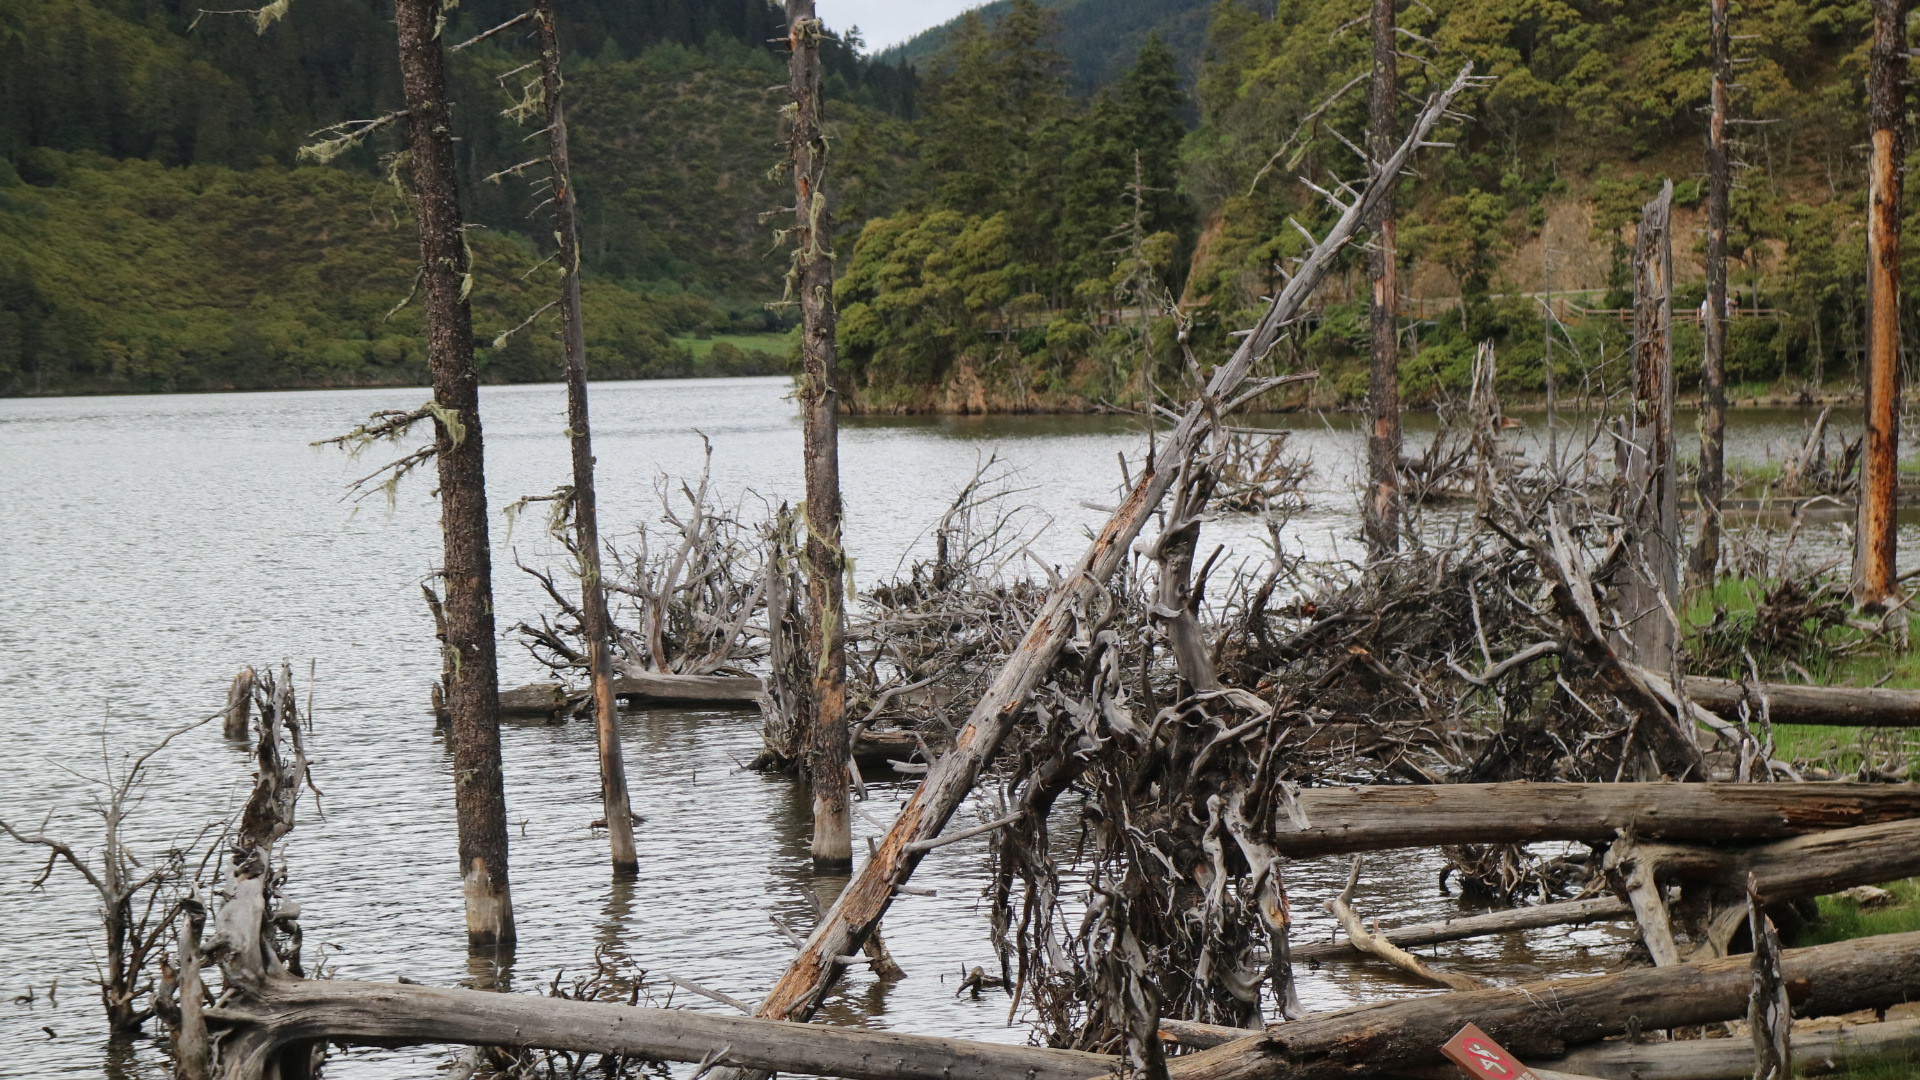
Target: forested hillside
{"x":158,"y":230}
{"x":1099,"y":38}
{"x":1039,"y":304}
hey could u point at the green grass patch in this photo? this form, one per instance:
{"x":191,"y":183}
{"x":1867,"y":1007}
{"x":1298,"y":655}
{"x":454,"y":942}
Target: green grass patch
{"x":778,"y":343}
{"x":1841,"y":918}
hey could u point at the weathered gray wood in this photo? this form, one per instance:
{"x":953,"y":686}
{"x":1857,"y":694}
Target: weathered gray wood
{"x":1650,"y":591}
{"x":1541,"y":1020}
{"x":239,"y":710}
{"x":1845,"y":706}
{"x":281,"y":1012}
{"x":1488,"y":924}
{"x":1350,"y":819}
{"x":1378,"y":945}
{"x":1816,"y":1053}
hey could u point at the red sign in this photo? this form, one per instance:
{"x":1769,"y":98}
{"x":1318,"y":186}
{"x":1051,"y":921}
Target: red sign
{"x":1475,"y":1051}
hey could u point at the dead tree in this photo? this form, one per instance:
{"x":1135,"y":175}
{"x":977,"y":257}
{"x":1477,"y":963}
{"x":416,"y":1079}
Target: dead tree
{"x":1877,"y":533}
{"x":1769,"y":1012}
{"x":1382,"y":504}
{"x":140,"y":898}
{"x":596,"y":623}
{"x":1713,"y":324}
{"x":473,"y":684}
{"x":812,"y":278}
{"x":853,"y":917}
{"x":1650,"y":593}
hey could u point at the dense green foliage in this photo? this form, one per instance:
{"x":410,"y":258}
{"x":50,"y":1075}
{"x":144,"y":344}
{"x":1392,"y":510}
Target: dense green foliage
{"x":157,"y":234}
{"x":1596,"y":102}
{"x":1031,"y":219}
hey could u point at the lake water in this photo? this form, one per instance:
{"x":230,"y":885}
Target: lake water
{"x":151,"y":546}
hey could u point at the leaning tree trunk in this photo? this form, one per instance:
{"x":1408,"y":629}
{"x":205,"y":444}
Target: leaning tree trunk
{"x":473,"y":691}
{"x":1382,"y":522}
{"x":846,"y":926}
{"x":586,"y":522}
{"x":1652,"y":587}
{"x":1874,"y":540}
{"x":1713,"y":325}
{"x":828,"y":748}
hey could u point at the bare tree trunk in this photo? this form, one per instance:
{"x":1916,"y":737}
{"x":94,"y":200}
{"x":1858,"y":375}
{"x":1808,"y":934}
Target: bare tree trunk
{"x":1382,"y":520}
{"x":192,"y":1054}
{"x":1875,"y":537}
{"x":1713,"y":326}
{"x":586,"y":521}
{"x":473,"y":685}
{"x":239,"y":705}
{"x":829,"y":742}
{"x":1651,"y":590}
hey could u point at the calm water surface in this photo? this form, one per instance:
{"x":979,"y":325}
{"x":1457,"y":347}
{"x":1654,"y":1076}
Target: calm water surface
{"x":150,"y":546}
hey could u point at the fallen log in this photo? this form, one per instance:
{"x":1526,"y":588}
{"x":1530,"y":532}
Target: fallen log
{"x":1815,"y":1053}
{"x":1543,"y":1019}
{"x":650,"y":688}
{"x":1813,"y":865}
{"x":1350,"y":819}
{"x":278,"y":1012}
{"x":1566,"y":913}
{"x":1842,"y":706}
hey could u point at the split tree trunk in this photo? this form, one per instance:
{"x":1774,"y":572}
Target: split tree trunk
{"x":473,"y":685}
{"x":1875,"y":537}
{"x":1382,"y":520}
{"x":1713,"y":371}
{"x":841,"y":933}
{"x":1651,"y":590}
{"x":595,"y":619}
{"x":1541,"y":1020}
{"x":828,"y":749}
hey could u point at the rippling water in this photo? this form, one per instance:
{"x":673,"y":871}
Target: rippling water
{"x":150,"y":546}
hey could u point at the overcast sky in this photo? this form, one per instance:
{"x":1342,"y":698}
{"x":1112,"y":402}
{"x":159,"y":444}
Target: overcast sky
{"x":890,"y":22}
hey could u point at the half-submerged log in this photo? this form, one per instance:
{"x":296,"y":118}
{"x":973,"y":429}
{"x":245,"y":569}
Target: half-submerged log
{"x":1843,"y":706}
{"x":646,"y":688}
{"x":280,"y":1012}
{"x":1815,"y":1053}
{"x":1541,"y":1020}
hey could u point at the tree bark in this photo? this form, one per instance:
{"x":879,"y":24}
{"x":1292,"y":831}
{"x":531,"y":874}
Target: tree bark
{"x":473,"y":691}
{"x":1651,"y":590}
{"x":829,"y":742}
{"x":1713,"y":370}
{"x":1844,"y":706}
{"x":1382,"y":520}
{"x":279,"y":1012}
{"x":1818,"y":1052}
{"x":1541,"y":1020}
{"x":239,"y":705}
{"x":595,"y":620}
{"x":845,"y":927}
{"x":1342,"y":820}
{"x":1877,"y":532}
{"x":1815,"y":864}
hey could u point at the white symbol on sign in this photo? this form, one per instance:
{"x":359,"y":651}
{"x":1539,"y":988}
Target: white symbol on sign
{"x":1490,"y":1060}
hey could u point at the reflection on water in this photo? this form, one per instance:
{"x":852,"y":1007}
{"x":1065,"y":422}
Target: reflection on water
{"x":151,"y":546}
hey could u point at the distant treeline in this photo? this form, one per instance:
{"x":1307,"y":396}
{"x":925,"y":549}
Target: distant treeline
{"x":156,"y":231}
